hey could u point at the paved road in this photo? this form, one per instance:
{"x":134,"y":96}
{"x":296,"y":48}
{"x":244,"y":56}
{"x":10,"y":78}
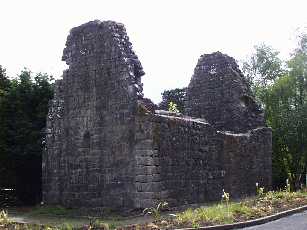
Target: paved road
{"x":294,"y":222}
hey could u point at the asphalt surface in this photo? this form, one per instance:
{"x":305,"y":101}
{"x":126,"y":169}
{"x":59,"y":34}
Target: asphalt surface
{"x":295,"y":222}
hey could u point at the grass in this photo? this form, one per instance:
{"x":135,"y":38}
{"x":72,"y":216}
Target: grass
{"x":155,"y":212}
{"x":216,"y":214}
{"x":58,"y":218}
{"x":225,"y":213}
{"x":4,"y":218}
{"x":51,"y":211}
{"x":5,"y":223}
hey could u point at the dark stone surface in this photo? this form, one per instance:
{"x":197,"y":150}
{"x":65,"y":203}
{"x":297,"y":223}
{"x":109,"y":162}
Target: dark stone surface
{"x":219,"y":93}
{"x":184,"y":160}
{"x":107,"y":147}
{"x":89,"y":159}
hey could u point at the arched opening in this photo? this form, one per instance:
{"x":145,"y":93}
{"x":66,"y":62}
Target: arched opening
{"x":86,"y":143}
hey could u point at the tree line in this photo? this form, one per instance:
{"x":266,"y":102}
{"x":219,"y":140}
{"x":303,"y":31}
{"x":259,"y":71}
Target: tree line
{"x":23,"y":111}
{"x":280,"y":86}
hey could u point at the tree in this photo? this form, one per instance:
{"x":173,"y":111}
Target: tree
{"x":264,"y":66}
{"x":280,"y":116}
{"x":262,"y":69}
{"x":4,"y":81}
{"x":282,"y":92}
{"x":4,"y":88}
{"x":298,"y":71}
{"x":23,"y":114}
{"x":175,"y":96}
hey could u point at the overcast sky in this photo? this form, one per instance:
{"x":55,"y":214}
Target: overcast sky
{"x":168,"y":36}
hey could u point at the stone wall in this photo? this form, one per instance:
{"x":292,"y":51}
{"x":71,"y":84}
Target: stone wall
{"x":183,"y":160}
{"x":52,"y":159}
{"x":108,"y":147}
{"x":247,"y":161}
{"x":89,"y":159}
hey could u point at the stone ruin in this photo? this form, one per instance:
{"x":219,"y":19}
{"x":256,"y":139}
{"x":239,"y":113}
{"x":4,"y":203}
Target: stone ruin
{"x":108,"y":147}
{"x":219,"y":93}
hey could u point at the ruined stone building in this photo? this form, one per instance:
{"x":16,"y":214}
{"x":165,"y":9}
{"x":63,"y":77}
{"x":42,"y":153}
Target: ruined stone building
{"x":108,"y":147}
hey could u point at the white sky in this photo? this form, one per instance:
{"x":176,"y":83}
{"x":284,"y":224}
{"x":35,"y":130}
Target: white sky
{"x":168,"y":36}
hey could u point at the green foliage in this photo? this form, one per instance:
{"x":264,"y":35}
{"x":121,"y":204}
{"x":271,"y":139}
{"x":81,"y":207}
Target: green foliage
{"x":112,"y":225}
{"x":155,"y":212}
{"x":264,"y":66}
{"x":175,"y":96}
{"x":96,"y":223}
{"x":100,"y":225}
{"x":225,"y":199}
{"x":172,"y":107}
{"x":224,"y":213}
{"x":24,"y":107}
{"x":283,"y":94}
{"x":259,"y":191}
{"x":4,"y":217}
{"x":216,"y":213}
{"x":66,"y":226}
{"x":288,"y":186}
{"x":195,"y":225}
{"x":4,"y":82}
{"x":50,"y":211}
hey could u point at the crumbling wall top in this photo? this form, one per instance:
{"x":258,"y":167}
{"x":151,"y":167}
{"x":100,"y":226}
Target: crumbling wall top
{"x":95,"y":42}
{"x":219,"y":93}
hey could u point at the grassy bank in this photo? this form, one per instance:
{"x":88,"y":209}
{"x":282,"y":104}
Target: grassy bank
{"x":223,"y":212}
{"x":227,"y":212}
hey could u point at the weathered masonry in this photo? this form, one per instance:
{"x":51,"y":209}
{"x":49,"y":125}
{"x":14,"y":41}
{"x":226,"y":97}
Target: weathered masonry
{"x":108,"y":147}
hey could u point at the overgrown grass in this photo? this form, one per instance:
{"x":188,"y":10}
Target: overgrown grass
{"x":217,"y":214}
{"x":4,"y":218}
{"x":222,"y":213}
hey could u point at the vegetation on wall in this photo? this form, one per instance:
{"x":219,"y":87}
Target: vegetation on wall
{"x":173,"y":96}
